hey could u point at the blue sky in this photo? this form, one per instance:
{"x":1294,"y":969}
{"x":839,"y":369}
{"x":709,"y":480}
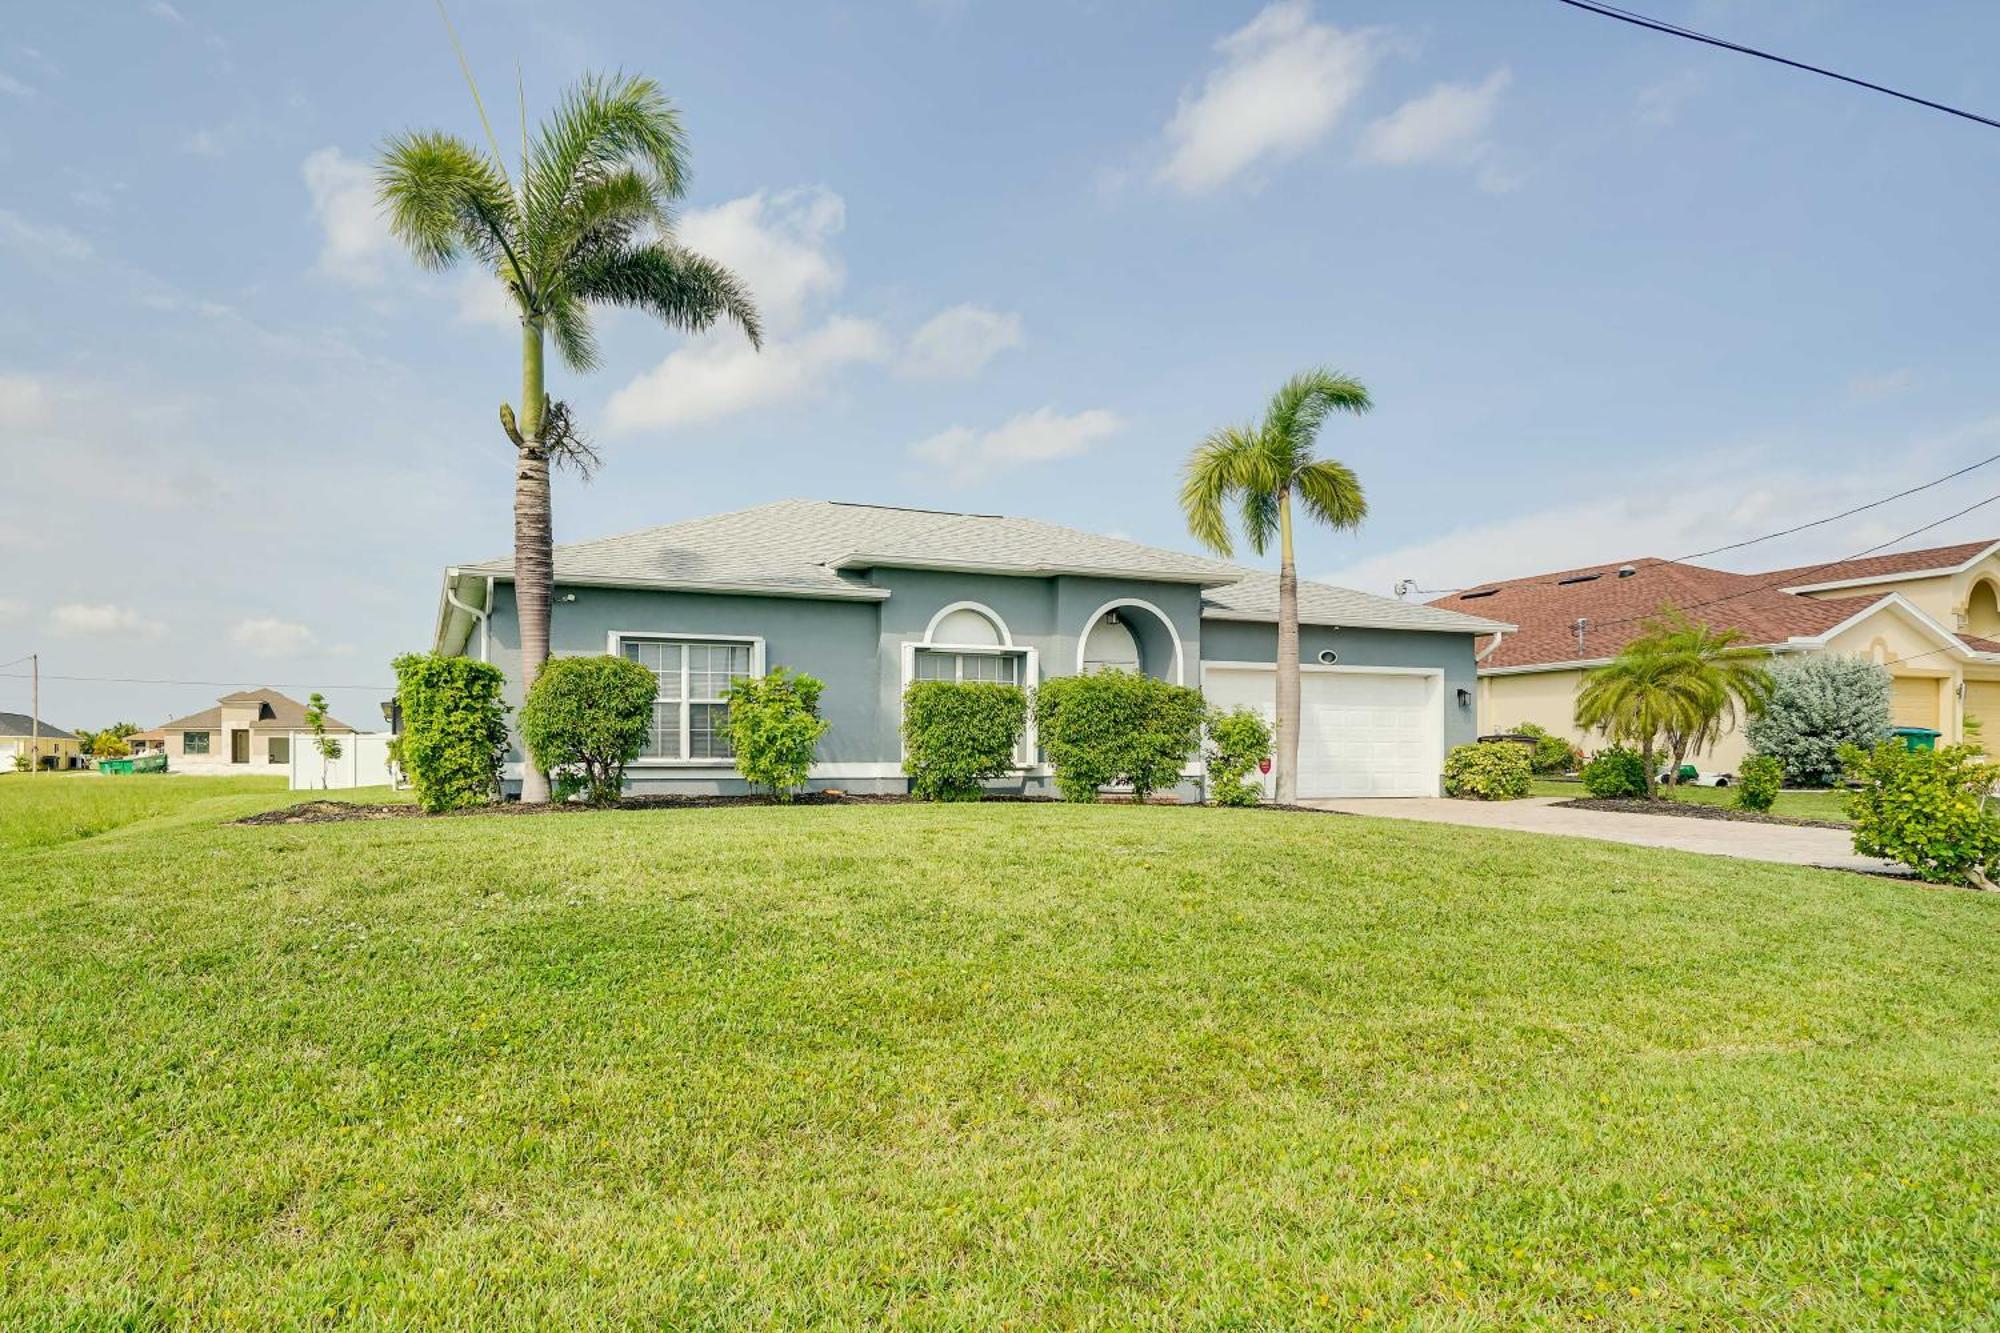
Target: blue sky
{"x":1616,"y":295}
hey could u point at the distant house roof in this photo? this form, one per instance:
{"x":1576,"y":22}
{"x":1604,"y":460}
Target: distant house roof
{"x":276,"y":712}
{"x":1613,"y":605}
{"x":22,"y":724}
{"x":818,"y":548}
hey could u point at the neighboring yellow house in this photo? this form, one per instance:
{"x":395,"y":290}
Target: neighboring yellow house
{"x":1932,"y":617}
{"x":55,"y":748}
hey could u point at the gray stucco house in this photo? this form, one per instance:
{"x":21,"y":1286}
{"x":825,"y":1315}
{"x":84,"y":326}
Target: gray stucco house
{"x":869,"y":598}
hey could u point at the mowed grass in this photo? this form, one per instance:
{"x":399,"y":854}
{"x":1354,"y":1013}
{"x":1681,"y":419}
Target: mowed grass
{"x":44,"y":809}
{"x":975,"y":1067}
{"x":1830,"y":806}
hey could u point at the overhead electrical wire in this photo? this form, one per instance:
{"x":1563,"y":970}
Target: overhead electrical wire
{"x":1846,"y":513}
{"x":214,"y":684}
{"x":1675,"y":30}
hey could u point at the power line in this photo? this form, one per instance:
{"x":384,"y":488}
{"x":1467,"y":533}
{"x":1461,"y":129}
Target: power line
{"x":1848,"y":513}
{"x":215,"y":684}
{"x":1675,"y":30}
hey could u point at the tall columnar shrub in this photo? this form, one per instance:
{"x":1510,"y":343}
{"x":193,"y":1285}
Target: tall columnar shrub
{"x":1758,"y":782}
{"x":1820,"y":704}
{"x":1615,"y":772}
{"x":1489,"y":771}
{"x":956,"y":737}
{"x":1117,"y":727}
{"x":586,"y":718}
{"x":454,"y":729}
{"x":1932,"y":810}
{"x":774,"y":729}
{"x":1238,"y":741}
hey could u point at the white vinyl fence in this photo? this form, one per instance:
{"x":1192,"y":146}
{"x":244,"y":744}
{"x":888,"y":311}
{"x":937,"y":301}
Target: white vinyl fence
{"x":363,"y":762}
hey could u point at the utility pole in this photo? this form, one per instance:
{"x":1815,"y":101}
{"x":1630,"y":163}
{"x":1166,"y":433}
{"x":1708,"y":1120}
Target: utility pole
{"x":35,"y":711}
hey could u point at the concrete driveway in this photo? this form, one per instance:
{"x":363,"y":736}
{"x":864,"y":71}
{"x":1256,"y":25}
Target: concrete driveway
{"x":1781,"y":843}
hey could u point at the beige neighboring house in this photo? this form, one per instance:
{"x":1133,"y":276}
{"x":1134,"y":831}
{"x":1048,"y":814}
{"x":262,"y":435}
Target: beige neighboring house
{"x":43,"y":746}
{"x":247,"y":732}
{"x":1932,"y":617}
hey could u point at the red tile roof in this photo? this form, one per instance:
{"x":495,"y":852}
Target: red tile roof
{"x":1546,"y":607}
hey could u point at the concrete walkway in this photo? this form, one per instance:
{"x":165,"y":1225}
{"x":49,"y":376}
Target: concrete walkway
{"x":1782,"y":843}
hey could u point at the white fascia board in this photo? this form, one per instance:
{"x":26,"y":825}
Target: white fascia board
{"x":861,"y":560}
{"x":1898,"y":602}
{"x":1350,"y":622}
{"x":854,"y":594}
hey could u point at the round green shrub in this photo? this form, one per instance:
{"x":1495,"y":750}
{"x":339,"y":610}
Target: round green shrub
{"x":1113,"y":728}
{"x":1818,"y":705}
{"x":957,"y":736}
{"x":1238,"y":741}
{"x":1758,"y":782}
{"x":774,"y":729}
{"x":1488,"y":771}
{"x":1929,"y":809}
{"x":454,"y":737}
{"x":1615,"y":773}
{"x":584,"y":719}
{"x":1553,"y":755}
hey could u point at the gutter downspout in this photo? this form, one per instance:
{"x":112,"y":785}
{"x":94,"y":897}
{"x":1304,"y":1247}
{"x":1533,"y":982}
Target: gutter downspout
{"x":1491,"y":648}
{"x":479,"y":616}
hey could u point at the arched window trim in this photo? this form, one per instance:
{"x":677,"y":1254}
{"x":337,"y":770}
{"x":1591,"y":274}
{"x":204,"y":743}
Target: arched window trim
{"x":1006,"y":644}
{"x":1173,"y":632}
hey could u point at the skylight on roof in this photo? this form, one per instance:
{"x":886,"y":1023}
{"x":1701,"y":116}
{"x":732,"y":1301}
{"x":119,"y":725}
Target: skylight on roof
{"x":1577,"y":578}
{"x":1476,"y":594}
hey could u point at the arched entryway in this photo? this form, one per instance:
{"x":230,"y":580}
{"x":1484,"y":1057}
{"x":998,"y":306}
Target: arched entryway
{"x":1982,"y":610}
{"x":1130,"y":634}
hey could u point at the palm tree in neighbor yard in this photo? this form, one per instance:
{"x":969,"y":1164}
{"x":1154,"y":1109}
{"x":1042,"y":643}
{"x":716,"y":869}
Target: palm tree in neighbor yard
{"x":1262,"y":469}
{"x":587,"y":224}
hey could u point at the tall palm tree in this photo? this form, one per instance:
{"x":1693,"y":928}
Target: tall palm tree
{"x":1261,"y":468}
{"x":1681,"y":683}
{"x":587,"y":224}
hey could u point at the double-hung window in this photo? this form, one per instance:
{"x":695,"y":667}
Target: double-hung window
{"x":690,"y":719}
{"x":1002,"y":668}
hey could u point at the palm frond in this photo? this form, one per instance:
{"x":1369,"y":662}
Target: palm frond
{"x":681,"y":289}
{"x":444,"y":198}
{"x":1209,"y":479}
{"x":568,"y":448}
{"x":1260,"y":508}
{"x":568,"y":323}
{"x":1330,"y":492}
{"x":602,"y":125}
{"x":1302,"y":405}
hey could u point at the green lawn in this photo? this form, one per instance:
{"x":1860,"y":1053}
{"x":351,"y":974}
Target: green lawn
{"x":43,"y":809}
{"x":1827,"y":805}
{"x":973,"y":1067}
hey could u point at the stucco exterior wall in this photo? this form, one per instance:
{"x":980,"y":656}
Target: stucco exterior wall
{"x":1967,"y":600}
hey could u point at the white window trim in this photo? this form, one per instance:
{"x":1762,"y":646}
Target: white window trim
{"x":1180,"y":653}
{"x":1030,"y":673}
{"x":615,"y":645}
{"x":980,"y":608}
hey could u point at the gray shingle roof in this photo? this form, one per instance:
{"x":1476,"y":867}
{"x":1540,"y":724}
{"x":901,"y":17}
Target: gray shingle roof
{"x":20,"y":724}
{"x":1255,"y":597}
{"x":815,"y":548}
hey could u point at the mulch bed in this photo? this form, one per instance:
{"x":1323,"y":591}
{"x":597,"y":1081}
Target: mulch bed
{"x":1691,"y":810}
{"x":346,"y":812}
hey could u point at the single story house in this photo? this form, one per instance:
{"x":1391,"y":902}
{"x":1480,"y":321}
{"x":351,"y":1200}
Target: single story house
{"x":246,"y":732}
{"x":1932,"y":617}
{"x":869,"y":598}
{"x":55,"y":747}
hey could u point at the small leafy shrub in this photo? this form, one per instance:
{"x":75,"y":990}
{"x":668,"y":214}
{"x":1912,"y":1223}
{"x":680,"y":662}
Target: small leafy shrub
{"x":109,"y":747}
{"x":774,"y":729}
{"x":1818,"y":705}
{"x":957,"y":736}
{"x":1488,"y":771}
{"x":1117,"y":727}
{"x":1553,"y":755}
{"x":1238,"y":741}
{"x":454,"y":729}
{"x":1614,"y":773}
{"x":1928,"y":809}
{"x":584,"y":719}
{"x":1758,"y":782}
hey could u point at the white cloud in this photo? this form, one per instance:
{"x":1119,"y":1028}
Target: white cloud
{"x":40,"y":240}
{"x":1283,"y":83}
{"x":356,"y":240}
{"x":162,"y":10}
{"x":1446,"y":124}
{"x":13,"y":86}
{"x":1881,"y":384}
{"x":966,"y":455}
{"x":272,"y":638}
{"x":483,"y":299}
{"x":957,"y":343}
{"x":77,"y":620}
{"x":779,"y":243}
{"x":24,"y":402}
{"x":723,"y":374}
{"x":12,"y":609}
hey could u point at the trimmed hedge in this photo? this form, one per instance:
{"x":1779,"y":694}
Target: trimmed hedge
{"x":584,"y":719}
{"x":1929,"y":809}
{"x":1117,"y":728}
{"x":454,"y":729}
{"x":774,"y":729}
{"x":1489,"y":771}
{"x":1615,"y":772}
{"x":1237,"y":741}
{"x":956,"y":736}
{"x":1758,"y":782}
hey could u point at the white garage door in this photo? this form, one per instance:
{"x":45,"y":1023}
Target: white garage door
{"x":1361,"y":733}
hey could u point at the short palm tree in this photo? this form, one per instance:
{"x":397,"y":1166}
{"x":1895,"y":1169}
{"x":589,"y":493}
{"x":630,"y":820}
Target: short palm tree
{"x":1681,"y":683}
{"x":586,"y":224}
{"x":1261,"y":469}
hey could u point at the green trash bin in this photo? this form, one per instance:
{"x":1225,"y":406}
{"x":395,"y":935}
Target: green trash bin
{"x":1917,"y":738}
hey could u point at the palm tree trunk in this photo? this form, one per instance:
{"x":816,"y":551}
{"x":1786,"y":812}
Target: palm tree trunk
{"x":1287,"y":759}
{"x":534,"y":541}
{"x":1652,"y":777}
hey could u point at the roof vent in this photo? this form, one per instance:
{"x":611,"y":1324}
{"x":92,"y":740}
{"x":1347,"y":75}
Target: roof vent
{"x":1626,"y":571}
{"x":1477,"y":593}
{"x":1577,"y":578}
